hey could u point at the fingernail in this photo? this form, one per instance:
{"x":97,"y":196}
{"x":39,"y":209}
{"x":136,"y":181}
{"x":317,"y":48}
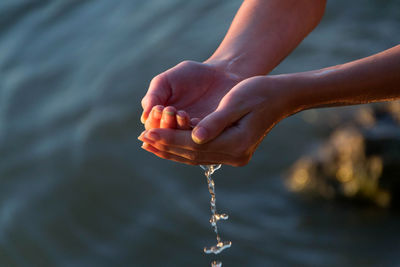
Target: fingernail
{"x":181,"y":114}
{"x":152,"y":136}
{"x":168,"y":118}
{"x":199,"y":134}
{"x":171,"y":113}
{"x":142,"y":119}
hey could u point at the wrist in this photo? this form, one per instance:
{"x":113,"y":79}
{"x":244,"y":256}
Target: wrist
{"x":286,"y":91}
{"x":228,"y":65}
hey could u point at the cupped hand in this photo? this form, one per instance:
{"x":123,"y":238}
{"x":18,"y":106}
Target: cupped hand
{"x":231,"y":133}
{"x":196,"y":88}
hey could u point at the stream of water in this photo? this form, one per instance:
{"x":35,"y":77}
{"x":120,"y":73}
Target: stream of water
{"x":215,"y":216}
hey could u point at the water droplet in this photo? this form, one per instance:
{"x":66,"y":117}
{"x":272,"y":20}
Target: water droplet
{"x":218,"y":248}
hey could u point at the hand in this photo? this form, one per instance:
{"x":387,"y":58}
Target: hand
{"x":243,"y":117}
{"x":194,"y":87}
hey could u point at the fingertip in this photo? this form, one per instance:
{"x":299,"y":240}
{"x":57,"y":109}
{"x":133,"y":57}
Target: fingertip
{"x":182,"y":119}
{"x":157,"y":112}
{"x":181,"y":113}
{"x":170,"y":110}
{"x":149,"y":148}
{"x":149,"y":122}
{"x":145,"y":115}
{"x":153,"y":118}
{"x":140,"y":137}
{"x":142,"y":120}
{"x":168,"y":119}
{"x":199,"y":135}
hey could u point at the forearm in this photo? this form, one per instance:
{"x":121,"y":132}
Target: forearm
{"x":264,"y":32}
{"x":371,"y":79}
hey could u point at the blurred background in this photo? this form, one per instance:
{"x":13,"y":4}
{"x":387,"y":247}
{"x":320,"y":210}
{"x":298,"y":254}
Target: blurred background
{"x":77,"y":190}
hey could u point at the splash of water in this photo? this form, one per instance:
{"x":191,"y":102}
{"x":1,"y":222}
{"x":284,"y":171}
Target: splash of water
{"x":215,"y":217}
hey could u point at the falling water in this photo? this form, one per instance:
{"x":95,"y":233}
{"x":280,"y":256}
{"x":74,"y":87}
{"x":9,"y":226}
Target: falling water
{"x":215,"y":217}
{"x":216,"y":264}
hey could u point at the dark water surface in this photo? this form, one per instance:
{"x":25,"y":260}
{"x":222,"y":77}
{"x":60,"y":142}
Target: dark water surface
{"x":77,"y":190}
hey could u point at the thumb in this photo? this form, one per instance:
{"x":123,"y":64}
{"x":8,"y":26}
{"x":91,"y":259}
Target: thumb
{"x":215,"y":123}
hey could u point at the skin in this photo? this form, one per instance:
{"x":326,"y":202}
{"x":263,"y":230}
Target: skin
{"x":166,"y":118}
{"x":254,"y":106}
{"x":255,"y":34}
{"x":252,"y":46}
{"x":233,"y":101}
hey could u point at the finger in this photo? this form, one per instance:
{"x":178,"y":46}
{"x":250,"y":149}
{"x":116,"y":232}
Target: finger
{"x":169,"y":156}
{"x":231,"y":147}
{"x":171,"y":137}
{"x":168,"y":118}
{"x":183,"y":120}
{"x":166,"y":155}
{"x":154,"y":118}
{"x":198,"y":157}
{"x":215,"y":123}
{"x":158,"y":93}
{"x":182,"y":139}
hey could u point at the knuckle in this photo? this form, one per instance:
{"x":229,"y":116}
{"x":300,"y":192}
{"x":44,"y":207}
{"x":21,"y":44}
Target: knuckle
{"x":156,"y":79}
{"x":186,"y":63}
{"x":165,"y":137}
{"x":143,"y":102}
{"x":163,"y":148}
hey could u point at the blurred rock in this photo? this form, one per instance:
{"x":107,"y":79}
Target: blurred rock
{"x":359,"y":162}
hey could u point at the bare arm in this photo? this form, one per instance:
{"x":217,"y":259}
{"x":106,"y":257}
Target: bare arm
{"x":248,"y":112}
{"x":371,"y":79}
{"x":264,"y":32}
